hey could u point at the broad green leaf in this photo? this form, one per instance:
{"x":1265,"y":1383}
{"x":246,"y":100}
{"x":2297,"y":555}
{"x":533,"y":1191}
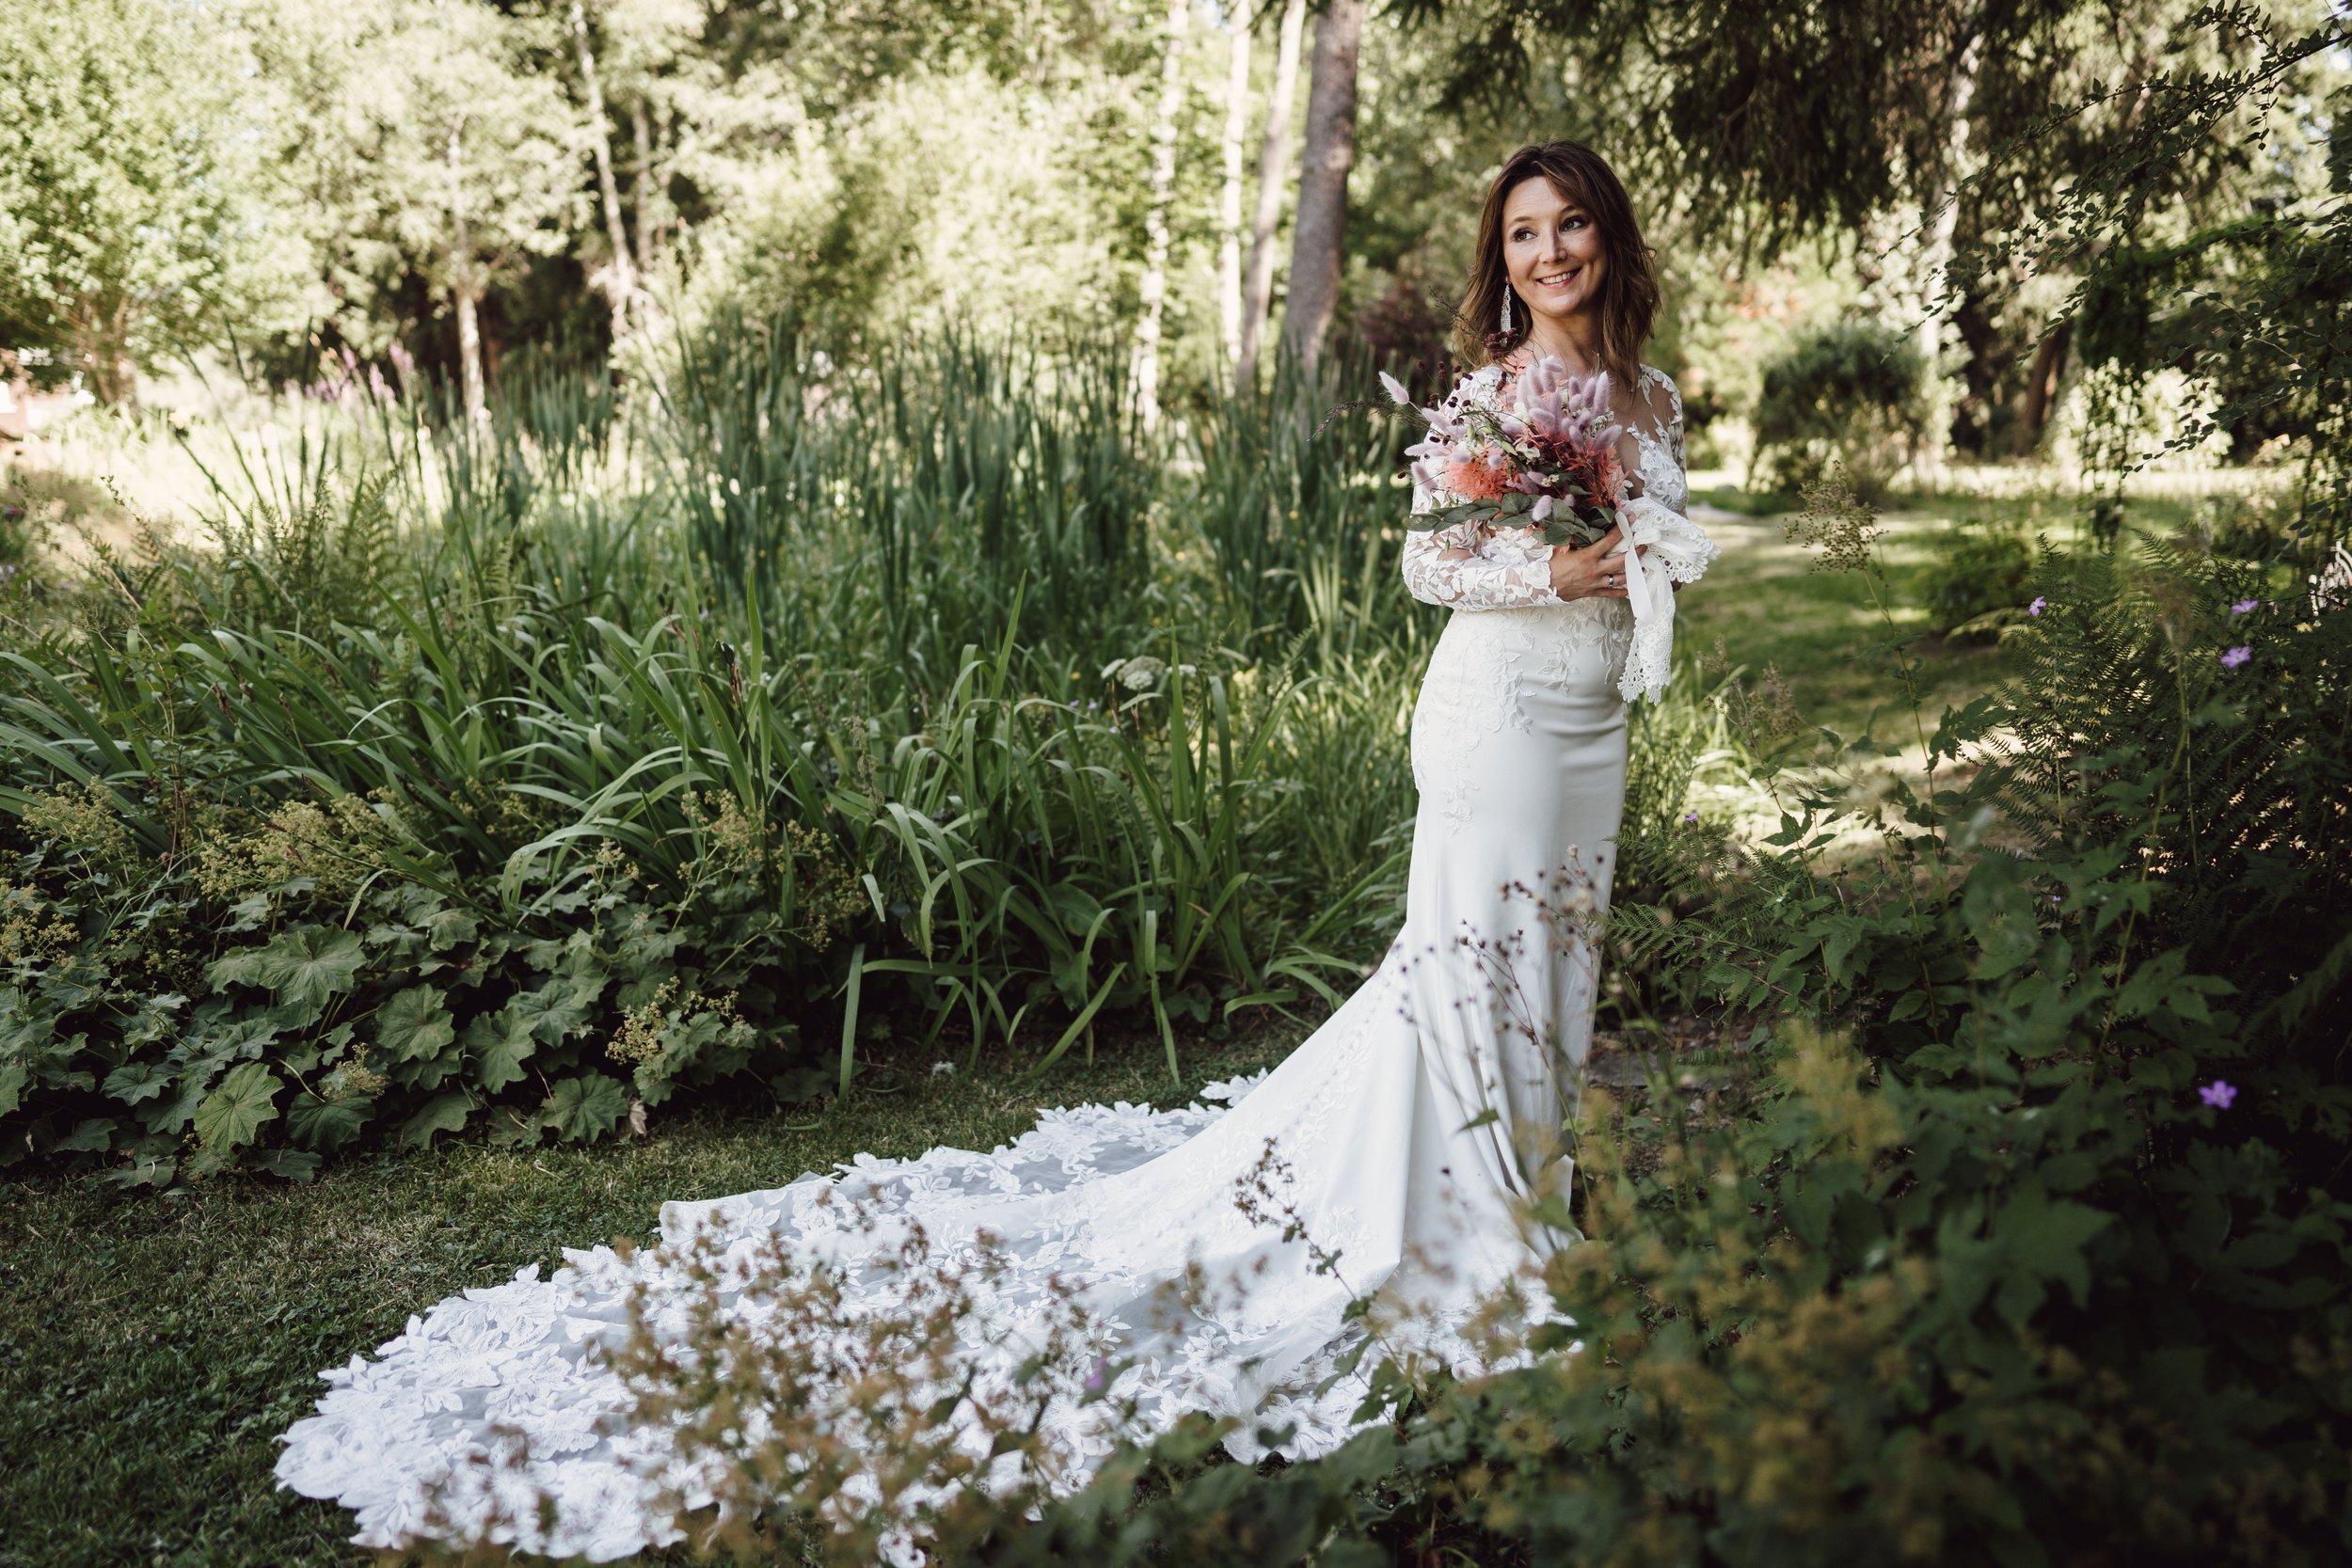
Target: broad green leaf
{"x":2046,"y":1237}
{"x":317,"y":1123}
{"x":156,"y":1020}
{"x":233,"y":1114}
{"x":558,"y":1008}
{"x":94,"y":1135}
{"x":443,"y":1112}
{"x":292,"y":1164}
{"x":147,"y":1170}
{"x":309,"y":964}
{"x":498,"y":1044}
{"x":450,"y":928}
{"x":585,"y":1107}
{"x":172,"y":1113}
{"x":1075,"y":907}
{"x":412,"y":1025}
{"x":239,"y":968}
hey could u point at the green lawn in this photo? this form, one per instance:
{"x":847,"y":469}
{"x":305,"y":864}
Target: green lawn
{"x":152,"y":1348}
{"x":1824,"y":632}
{"x":1821,"y":629}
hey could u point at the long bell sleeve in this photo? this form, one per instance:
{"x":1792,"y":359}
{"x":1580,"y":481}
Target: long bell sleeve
{"x":1664,"y":548}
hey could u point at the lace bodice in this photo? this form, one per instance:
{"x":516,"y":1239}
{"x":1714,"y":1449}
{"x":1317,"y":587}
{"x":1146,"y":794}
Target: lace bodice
{"x":1510,"y":568}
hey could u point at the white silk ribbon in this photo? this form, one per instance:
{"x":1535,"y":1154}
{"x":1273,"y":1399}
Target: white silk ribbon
{"x":1678,"y":551}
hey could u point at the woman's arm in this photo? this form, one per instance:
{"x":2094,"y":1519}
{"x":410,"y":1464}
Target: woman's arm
{"x":1441,"y":566}
{"x":1661,"y":411}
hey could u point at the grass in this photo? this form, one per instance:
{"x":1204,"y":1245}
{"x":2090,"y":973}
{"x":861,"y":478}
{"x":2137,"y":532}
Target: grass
{"x":151,"y":1349}
{"x":1821,"y":630}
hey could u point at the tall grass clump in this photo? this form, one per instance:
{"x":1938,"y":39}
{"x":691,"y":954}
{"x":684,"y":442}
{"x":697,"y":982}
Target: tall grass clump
{"x":521,"y":778}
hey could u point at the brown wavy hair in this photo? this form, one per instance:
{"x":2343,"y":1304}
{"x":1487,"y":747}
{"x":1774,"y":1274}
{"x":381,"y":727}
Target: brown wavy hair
{"x":1629,"y":287}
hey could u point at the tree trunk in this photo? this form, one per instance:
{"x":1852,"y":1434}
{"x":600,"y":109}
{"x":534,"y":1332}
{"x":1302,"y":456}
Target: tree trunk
{"x":102,"y":333}
{"x":2049,"y":364}
{"x":1154,"y":284}
{"x":1942,"y":216}
{"x":469,"y":297}
{"x":465,"y":288}
{"x":621,"y":278}
{"x":1228,"y":212}
{"x":1320,"y":232}
{"x":641,"y":187}
{"x":1272,"y":177}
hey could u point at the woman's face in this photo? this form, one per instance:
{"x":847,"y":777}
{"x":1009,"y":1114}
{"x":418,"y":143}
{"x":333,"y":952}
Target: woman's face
{"x":1551,"y":249}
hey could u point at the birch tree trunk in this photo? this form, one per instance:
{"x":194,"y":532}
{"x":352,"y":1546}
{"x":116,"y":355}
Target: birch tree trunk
{"x":1941,"y":218}
{"x":470,"y":348}
{"x":1228,"y":212}
{"x":621,"y":278}
{"x":1153,"y":289}
{"x":465,"y":286}
{"x":1273,"y":176}
{"x":1320,"y":230}
{"x":640,"y":188}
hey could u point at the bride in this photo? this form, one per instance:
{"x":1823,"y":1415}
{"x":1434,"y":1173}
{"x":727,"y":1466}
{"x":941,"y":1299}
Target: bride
{"x":1406,"y":1142}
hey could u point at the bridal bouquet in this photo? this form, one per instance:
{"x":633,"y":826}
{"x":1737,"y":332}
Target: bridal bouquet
{"x":1547,"y":459}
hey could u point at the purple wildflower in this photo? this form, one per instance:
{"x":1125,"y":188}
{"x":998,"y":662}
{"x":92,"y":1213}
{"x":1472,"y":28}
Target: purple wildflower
{"x":2038,"y":605}
{"x":2219,"y":1094}
{"x":1691,"y":817}
{"x":1099,"y":1374}
{"x":2237,"y":655}
{"x":2245,"y":606}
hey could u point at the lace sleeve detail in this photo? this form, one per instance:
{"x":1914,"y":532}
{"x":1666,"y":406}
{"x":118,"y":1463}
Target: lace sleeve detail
{"x":1658,"y":443}
{"x":1466,"y":581}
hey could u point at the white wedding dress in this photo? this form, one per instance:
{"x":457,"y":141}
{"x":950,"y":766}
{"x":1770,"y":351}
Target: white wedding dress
{"x":1484,"y":1002}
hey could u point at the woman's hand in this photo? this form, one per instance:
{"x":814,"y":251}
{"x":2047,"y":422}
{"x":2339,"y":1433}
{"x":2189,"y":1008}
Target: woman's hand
{"x":1589,"y":573}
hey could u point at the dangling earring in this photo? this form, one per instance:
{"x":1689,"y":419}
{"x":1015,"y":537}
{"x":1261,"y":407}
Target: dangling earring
{"x":1506,"y":309}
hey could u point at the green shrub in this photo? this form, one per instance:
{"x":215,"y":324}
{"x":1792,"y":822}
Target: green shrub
{"x":515,"y":780}
{"x":1851,"y":391}
{"x":1976,"y":585}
